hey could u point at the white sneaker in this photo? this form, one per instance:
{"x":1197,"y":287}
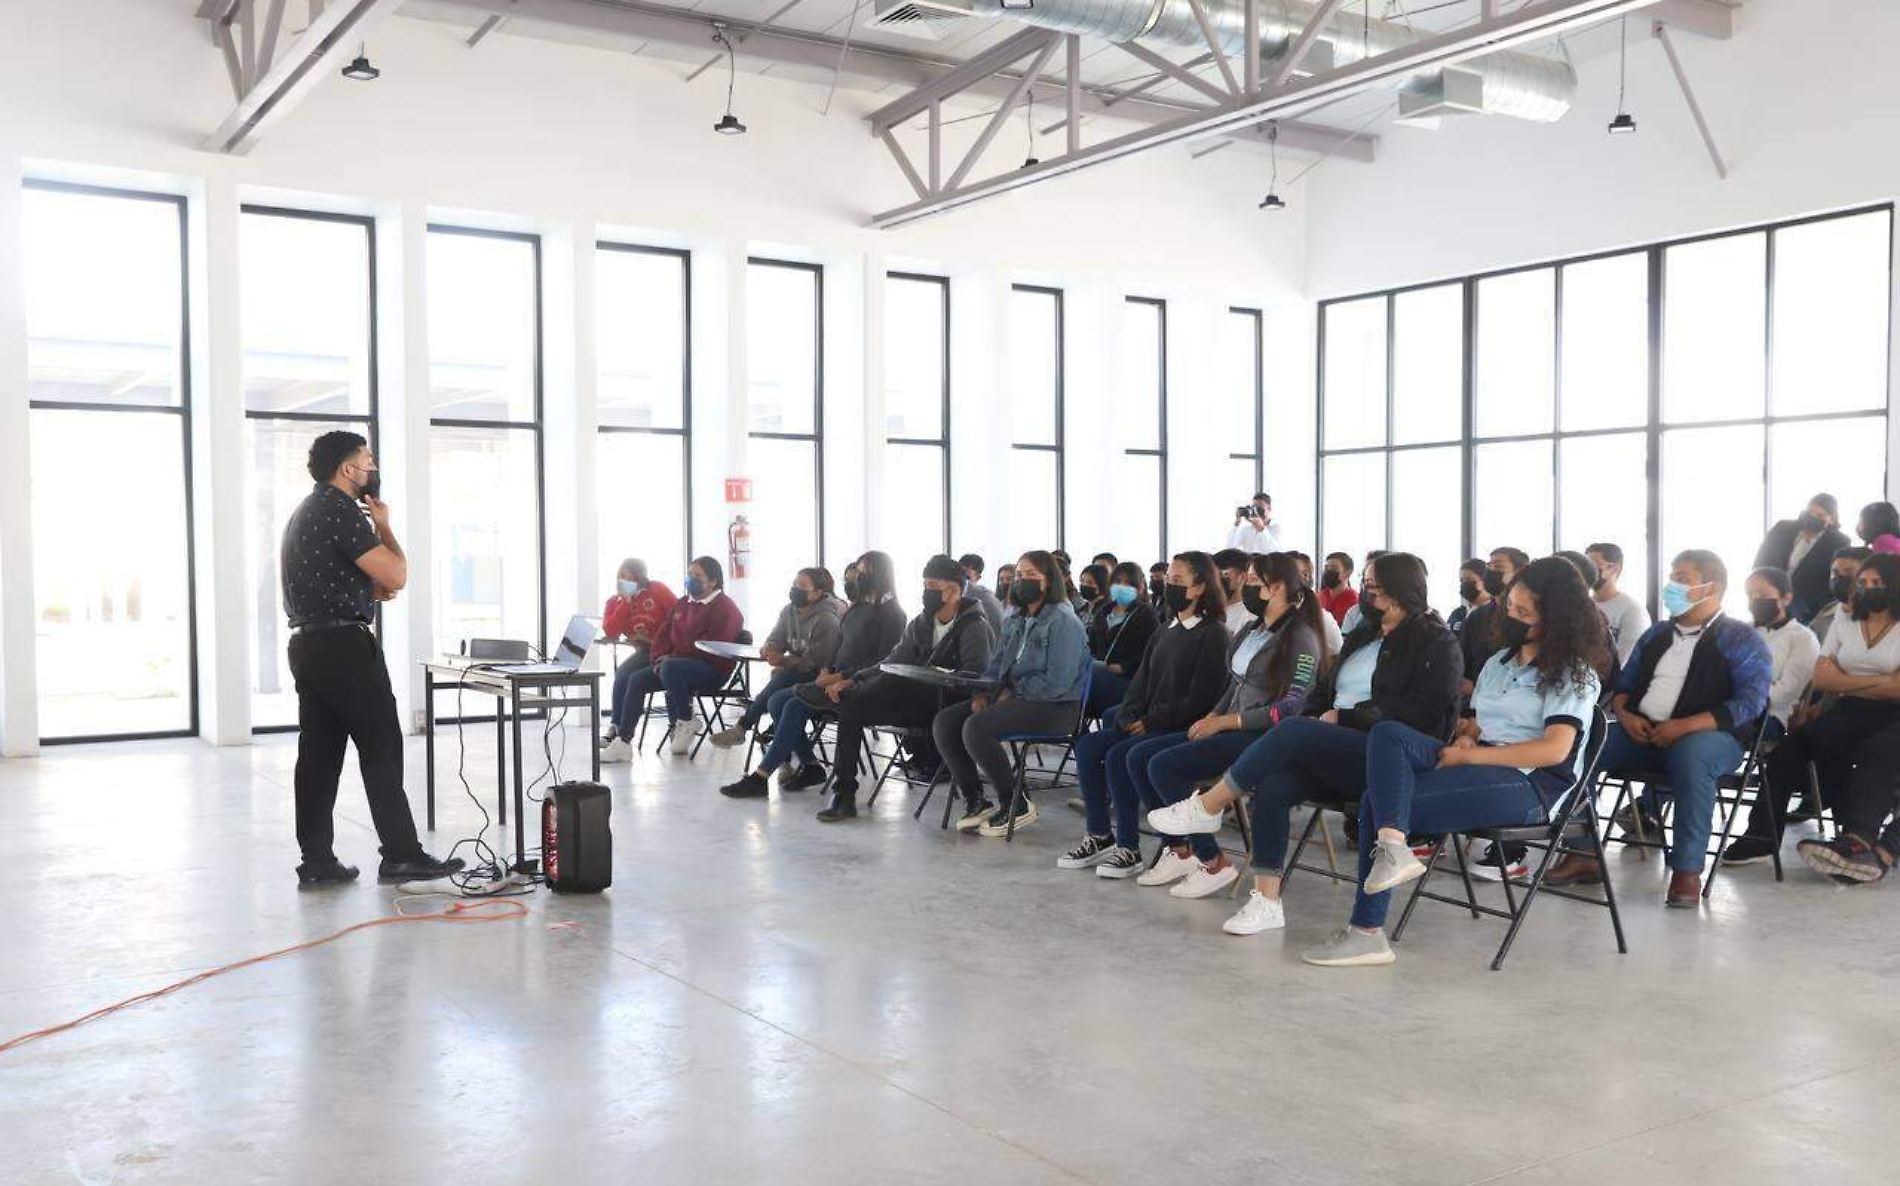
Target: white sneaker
{"x":727,"y":738}
{"x":1258,"y":913}
{"x":1170,"y":868}
{"x":1202,"y":882}
{"x":616,"y":751}
{"x":1186,"y":818}
{"x":684,"y":734}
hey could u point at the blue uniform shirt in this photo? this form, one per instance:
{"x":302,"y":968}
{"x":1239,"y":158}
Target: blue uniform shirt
{"x":1354,"y":685}
{"x":1511,"y":708}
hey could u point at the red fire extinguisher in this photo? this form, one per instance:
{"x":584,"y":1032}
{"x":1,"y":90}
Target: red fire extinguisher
{"x":739,"y":545}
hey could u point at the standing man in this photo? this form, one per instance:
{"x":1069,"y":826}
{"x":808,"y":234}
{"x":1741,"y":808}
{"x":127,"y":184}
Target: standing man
{"x":339,"y":558}
{"x":1253,"y":531}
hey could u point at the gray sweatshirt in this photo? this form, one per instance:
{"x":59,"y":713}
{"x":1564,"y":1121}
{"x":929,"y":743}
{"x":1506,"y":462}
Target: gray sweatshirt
{"x":809,"y":637}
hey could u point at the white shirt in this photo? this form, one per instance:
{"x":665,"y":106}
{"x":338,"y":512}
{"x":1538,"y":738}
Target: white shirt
{"x":1627,"y":620}
{"x":1335,"y":640}
{"x":939,"y":628}
{"x":1255,"y":541}
{"x":1794,"y":649}
{"x":1671,"y":672}
{"x":1238,"y":615}
{"x":1803,"y":544}
{"x":1847,"y":646}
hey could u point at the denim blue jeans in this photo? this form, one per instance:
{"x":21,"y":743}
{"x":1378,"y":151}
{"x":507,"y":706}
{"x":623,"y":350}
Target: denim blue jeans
{"x":1692,"y":766}
{"x":1406,"y":790}
{"x":679,"y":678}
{"x":762,"y":699}
{"x":1297,"y":760}
{"x":790,"y":715}
{"x":1112,"y":767}
{"x":624,"y":676}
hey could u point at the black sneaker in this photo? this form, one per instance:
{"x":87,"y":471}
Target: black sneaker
{"x":331,"y":872}
{"x":752,"y":786}
{"x":421,"y":867}
{"x":1086,"y":855}
{"x":843,"y":806}
{"x":1747,"y":850}
{"x":809,"y":775}
{"x":975,"y":815}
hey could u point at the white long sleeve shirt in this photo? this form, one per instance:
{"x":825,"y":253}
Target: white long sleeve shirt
{"x":1794,"y":650}
{"x":1255,"y":541}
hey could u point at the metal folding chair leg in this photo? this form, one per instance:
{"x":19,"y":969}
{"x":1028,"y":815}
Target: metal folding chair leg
{"x":1018,"y":794}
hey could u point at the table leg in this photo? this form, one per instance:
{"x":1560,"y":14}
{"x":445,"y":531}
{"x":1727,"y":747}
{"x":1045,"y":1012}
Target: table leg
{"x":521,"y":838}
{"x":428,"y":735}
{"x":593,"y":737}
{"x":501,"y":759}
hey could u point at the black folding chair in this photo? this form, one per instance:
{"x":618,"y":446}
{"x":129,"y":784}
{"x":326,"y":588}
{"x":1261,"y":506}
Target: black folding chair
{"x":711,"y":706}
{"x":1573,"y":827}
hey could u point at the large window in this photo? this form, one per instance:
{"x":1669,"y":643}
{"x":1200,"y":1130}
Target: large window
{"x":1035,"y":390}
{"x":643,"y":464}
{"x":916,"y":421}
{"x":108,"y":382}
{"x":485,"y":436}
{"x":1141,"y":480}
{"x":1242,"y":362}
{"x":1744,"y":372}
{"x":309,"y":368}
{"x":785,"y":382}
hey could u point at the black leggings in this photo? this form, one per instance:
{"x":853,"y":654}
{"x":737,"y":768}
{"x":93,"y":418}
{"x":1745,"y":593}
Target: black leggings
{"x":1855,"y":748}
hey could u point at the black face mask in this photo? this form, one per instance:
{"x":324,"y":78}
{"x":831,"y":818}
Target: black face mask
{"x":1765,"y":610}
{"x":1841,"y":588}
{"x":1177,"y":598}
{"x":1811,"y":523}
{"x":1868,"y":602}
{"x":799,"y":598}
{"x":1250,"y":596}
{"x":1369,"y":611}
{"x":1494,"y":582}
{"x":1090,"y":593}
{"x":1331,"y":579}
{"x":851,"y":588}
{"x":933,"y":602}
{"x":1469,"y":590}
{"x":1157,"y":589}
{"x":1024,"y":592}
{"x":1513,"y":634}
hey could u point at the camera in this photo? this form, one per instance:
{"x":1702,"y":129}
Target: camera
{"x":1246,"y":510}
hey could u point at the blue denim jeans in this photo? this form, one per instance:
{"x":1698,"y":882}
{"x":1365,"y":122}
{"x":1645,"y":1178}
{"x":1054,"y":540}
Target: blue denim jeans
{"x":1176,"y":771}
{"x":1692,"y":766}
{"x":1298,"y":759}
{"x":762,"y":699}
{"x":1112,"y":767}
{"x":790,"y":715}
{"x":624,"y":676}
{"x":1406,"y":790}
{"x":679,"y":678}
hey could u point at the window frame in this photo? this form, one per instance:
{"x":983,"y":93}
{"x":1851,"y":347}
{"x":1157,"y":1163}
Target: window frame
{"x":371,"y":420}
{"x":183,"y":410}
{"x":1160,"y":451}
{"x":816,"y":437}
{"x":685,"y":431}
{"x":1258,"y":336}
{"x":1059,"y":447}
{"x":1652,"y":428}
{"x":941,"y":443}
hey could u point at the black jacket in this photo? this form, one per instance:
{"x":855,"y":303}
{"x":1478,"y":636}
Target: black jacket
{"x":965,"y":647}
{"x":1810,"y":578}
{"x":1123,"y":644}
{"x":1414,"y":682}
{"x":868,"y":630}
{"x":1181,"y":677}
{"x":1478,"y":639}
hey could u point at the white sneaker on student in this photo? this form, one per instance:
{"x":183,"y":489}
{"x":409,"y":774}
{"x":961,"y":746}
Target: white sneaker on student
{"x":1258,"y":913}
{"x":1202,"y":882}
{"x":616,"y":750}
{"x":1169,"y":869}
{"x":684,"y":734}
{"x":1186,"y":818}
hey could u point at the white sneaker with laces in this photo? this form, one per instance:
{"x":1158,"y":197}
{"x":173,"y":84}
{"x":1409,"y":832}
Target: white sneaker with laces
{"x":1392,"y":866}
{"x":1186,"y":818}
{"x":1202,"y":882}
{"x":684,"y":734}
{"x":1169,"y":869}
{"x":1258,"y":913}
{"x":616,"y":751}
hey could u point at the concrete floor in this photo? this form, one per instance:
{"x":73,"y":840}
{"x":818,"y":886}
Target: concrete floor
{"x":764,"y":999}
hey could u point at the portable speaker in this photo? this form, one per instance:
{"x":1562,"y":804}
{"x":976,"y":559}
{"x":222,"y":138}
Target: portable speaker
{"x":577,"y":842}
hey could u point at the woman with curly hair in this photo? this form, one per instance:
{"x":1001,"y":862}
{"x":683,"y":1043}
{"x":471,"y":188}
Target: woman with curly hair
{"x":1516,"y":751}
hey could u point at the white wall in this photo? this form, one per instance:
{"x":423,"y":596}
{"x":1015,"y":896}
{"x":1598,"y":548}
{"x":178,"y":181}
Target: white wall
{"x":572,"y":143}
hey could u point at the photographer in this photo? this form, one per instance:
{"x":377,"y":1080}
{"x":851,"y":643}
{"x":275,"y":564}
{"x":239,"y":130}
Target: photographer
{"x":1253,"y":531}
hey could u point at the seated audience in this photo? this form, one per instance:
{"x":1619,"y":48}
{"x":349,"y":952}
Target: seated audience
{"x":1040,"y":666}
{"x":1854,"y":745}
{"x":1179,"y":681}
{"x":1063,"y":570}
{"x":705,"y":614}
{"x":1107,"y":560}
{"x":1471,"y":594}
{"x":972,"y":565}
{"x":1234,"y":565}
{"x":1119,"y":629}
{"x":1091,"y":585}
{"x":1515,"y":754}
{"x":632,"y":615}
{"x":1792,"y":647}
{"x":1350,"y":622}
{"x":1840,"y":589}
{"x":1336,"y":594}
{"x":1158,"y":583}
{"x":1879,"y":527}
{"x":1401,"y":664}
{"x":869,"y":629}
{"x":1005,"y":573}
{"x":1804,"y":548}
{"x":1623,"y":614}
{"x":1686,"y":706}
{"x":800,"y":646}
{"x":1478,"y":638}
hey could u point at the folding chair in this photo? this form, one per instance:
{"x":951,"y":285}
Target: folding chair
{"x":737,"y":690}
{"x":903,"y":750}
{"x":1573,"y":822}
{"x":1020,"y":744}
{"x":1745,"y":786}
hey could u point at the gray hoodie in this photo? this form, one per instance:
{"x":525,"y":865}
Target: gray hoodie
{"x":809,"y":637}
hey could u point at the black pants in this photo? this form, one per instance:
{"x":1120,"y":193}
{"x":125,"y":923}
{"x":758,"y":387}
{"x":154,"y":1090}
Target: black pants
{"x":1855,"y":748}
{"x":343,"y":695}
{"x":892,"y":700}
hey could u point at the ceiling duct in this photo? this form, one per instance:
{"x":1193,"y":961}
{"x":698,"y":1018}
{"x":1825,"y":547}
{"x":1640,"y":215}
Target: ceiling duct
{"x":927,"y":20}
{"x":1520,"y":85}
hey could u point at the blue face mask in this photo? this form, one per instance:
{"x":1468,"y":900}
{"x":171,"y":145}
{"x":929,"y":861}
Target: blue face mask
{"x":1676,"y":599}
{"x":695,"y":587}
{"x":1122,"y":595}
{"x":629,"y":588}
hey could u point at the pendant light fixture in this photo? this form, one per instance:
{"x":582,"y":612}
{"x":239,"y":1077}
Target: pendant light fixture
{"x":728,"y":124}
{"x":1273,"y":201}
{"x":1029,"y":125}
{"x":360,"y":70}
{"x":1624,"y":123}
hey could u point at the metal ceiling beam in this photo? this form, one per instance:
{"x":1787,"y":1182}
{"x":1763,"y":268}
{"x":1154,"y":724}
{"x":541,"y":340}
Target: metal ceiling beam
{"x":1531,"y":23}
{"x":814,"y":57}
{"x":1303,"y":44}
{"x":304,"y":63}
{"x":1148,"y":57}
{"x":1003,"y":54}
{"x":1688,"y":96}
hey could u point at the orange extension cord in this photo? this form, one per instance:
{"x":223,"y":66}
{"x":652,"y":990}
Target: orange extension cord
{"x":458,"y":912}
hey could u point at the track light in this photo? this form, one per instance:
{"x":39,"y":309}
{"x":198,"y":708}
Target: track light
{"x":1273,"y":201}
{"x":360,"y":69}
{"x":1624,"y":124}
{"x":728,"y":124}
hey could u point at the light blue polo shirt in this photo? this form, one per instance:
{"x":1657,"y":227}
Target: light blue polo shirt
{"x":1249,"y":646}
{"x":1354,"y":684}
{"x":1511,"y":708}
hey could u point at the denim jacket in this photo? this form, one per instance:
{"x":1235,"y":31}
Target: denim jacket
{"x":1044,"y":658}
